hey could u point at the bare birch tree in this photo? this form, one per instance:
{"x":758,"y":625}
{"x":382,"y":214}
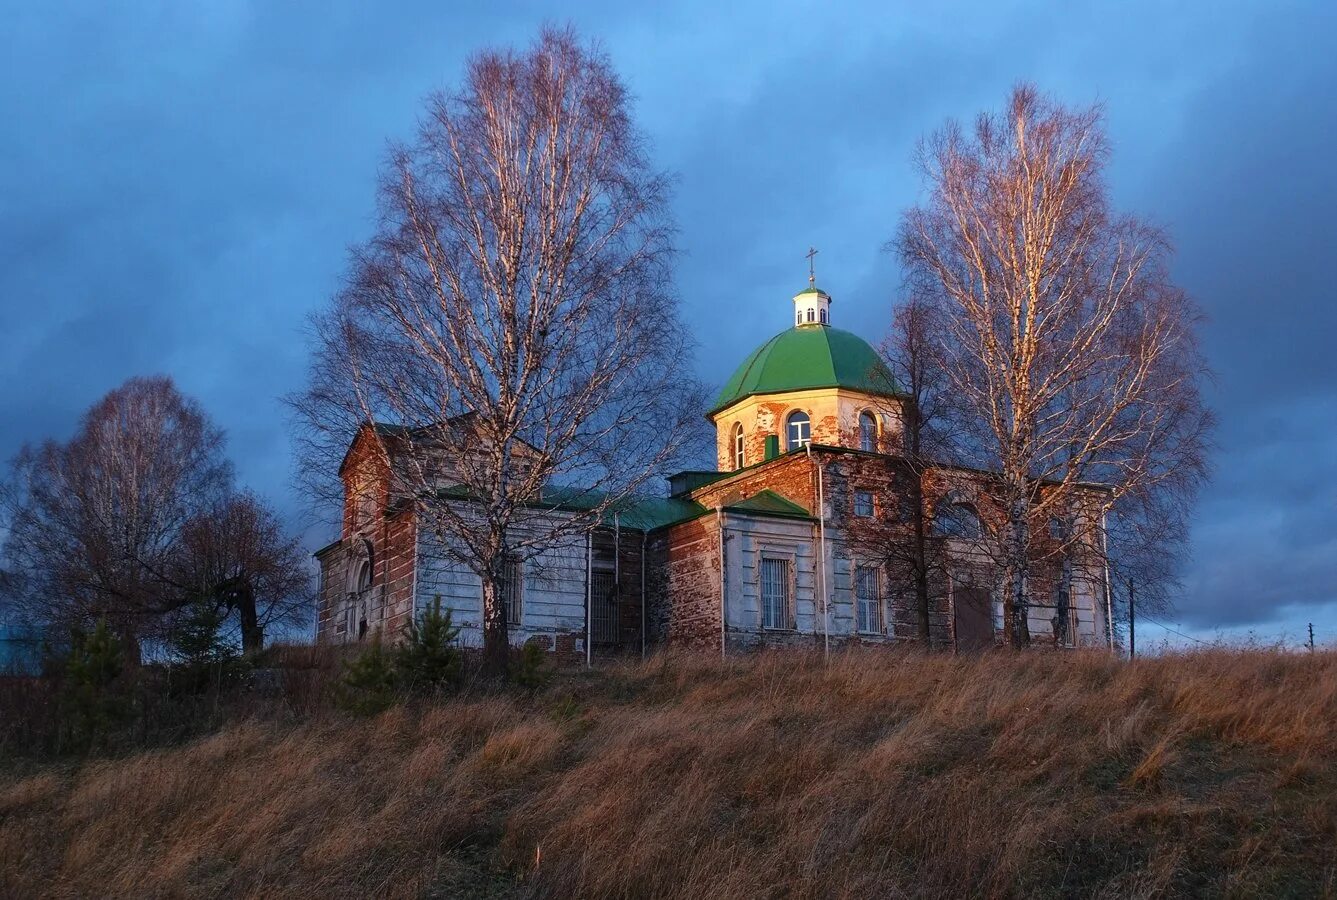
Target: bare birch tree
{"x":512,"y":316}
{"x":96,"y":523}
{"x":1064,"y":336}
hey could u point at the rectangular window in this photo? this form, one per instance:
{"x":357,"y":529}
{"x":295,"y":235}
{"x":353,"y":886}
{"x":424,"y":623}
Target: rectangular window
{"x":512,"y":590}
{"x":868,"y":599}
{"x":777,"y":592}
{"x":863,"y":503}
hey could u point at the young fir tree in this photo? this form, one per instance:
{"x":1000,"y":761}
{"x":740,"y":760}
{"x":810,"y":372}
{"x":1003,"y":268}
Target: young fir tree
{"x":429,"y":660}
{"x":368,"y":683}
{"x":202,"y":656}
{"x":89,"y":700}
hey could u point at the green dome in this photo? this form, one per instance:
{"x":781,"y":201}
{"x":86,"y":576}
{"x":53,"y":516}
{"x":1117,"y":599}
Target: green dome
{"x":809,"y":356}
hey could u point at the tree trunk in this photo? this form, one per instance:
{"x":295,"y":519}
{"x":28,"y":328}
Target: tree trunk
{"x":1016,"y":624}
{"x":131,"y":647}
{"x":496,"y":640}
{"x":921,"y":562}
{"x":252,"y":634}
{"x":913,"y":442}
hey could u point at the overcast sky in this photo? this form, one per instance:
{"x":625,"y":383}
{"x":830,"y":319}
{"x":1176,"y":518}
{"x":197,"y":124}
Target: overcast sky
{"x":179,"y":183}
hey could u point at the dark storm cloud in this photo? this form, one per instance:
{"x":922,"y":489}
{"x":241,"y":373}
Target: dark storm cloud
{"x":1248,"y":190}
{"x":180,"y":182}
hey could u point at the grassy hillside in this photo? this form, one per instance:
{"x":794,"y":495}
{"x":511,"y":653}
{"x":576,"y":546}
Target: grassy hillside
{"x":878,"y":775}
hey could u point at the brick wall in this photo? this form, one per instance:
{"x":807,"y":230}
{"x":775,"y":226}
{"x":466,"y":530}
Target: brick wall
{"x":833,"y":415}
{"x":790,"y":476}
{"x":684,"y":584}
{"x":368,"y":525}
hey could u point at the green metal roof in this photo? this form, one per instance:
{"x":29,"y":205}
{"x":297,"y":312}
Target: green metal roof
{"x":769,"y":503}
{"x":814,"y":289}
{"x":636,"y":511}
{"x":649,"y":513}
{"x":805,"y":357}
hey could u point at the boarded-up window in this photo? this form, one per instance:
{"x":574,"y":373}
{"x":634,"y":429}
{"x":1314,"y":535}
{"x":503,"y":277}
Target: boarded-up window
{"x":777,"y":592}
{"x":364,"y":492}
{"x":868,"y":599}
{"x":974,"y":618}
{"x":350,"y":619}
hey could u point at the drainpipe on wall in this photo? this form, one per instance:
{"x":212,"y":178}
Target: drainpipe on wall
{"x":719,"y":522}
{"x":617,"y":574}
{"x":1109,"y":600}
{"x":417,"y":560}
{"x":821,"y":556}
{"x":589,"y":594}
{"x":643,"y":541}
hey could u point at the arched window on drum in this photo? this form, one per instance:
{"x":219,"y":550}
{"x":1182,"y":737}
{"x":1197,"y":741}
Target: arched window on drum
{"x":798,"y":430}
{"x":867,"y":432}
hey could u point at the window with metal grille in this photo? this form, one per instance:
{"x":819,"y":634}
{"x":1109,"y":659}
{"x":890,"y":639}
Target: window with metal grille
{"x":863,"y":503}
{"x":777,"y":592}
{"x":604,"y":624}
{"x":868,"y":599}
{"x":512,"y":590}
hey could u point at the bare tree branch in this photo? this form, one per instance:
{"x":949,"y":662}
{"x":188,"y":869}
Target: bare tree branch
{"x":513,"y":316}
{"x":1063,"y":335}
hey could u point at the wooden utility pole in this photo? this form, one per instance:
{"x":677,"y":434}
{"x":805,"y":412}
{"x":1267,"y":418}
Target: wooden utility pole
{"x":1132,"y":623}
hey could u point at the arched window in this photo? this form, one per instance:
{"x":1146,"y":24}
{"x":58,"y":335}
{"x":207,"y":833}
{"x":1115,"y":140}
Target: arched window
{"x":823,"y":317}
{"x":799,"y":430}
{"x":798,"y":317}
{"x":361,"y":568}
{"x":739,"y":456}
{"x":867,"y":432}
{"x":957,"y":520}
{"x":809,"y":313}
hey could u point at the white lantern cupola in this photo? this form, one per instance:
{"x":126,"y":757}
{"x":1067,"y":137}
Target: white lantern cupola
{"x":812,"y":305}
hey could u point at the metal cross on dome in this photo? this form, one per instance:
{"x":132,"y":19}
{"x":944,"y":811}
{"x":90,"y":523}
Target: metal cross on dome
{"x":812,"y":274}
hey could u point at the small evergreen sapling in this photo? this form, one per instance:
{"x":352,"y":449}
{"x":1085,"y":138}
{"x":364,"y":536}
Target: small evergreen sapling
{"x":90,"y":702}
{"x":202,"y":657}
{"x":368,"y":682}
{"x":428,"y":660}
{"x":529,"y":671}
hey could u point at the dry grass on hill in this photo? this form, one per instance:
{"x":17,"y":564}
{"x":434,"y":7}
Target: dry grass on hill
{"x":878,"y":775}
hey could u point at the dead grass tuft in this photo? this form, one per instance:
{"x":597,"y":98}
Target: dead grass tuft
{"x":880,"y":774}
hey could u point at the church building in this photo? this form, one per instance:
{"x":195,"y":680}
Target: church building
{"x":798,"y":537}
